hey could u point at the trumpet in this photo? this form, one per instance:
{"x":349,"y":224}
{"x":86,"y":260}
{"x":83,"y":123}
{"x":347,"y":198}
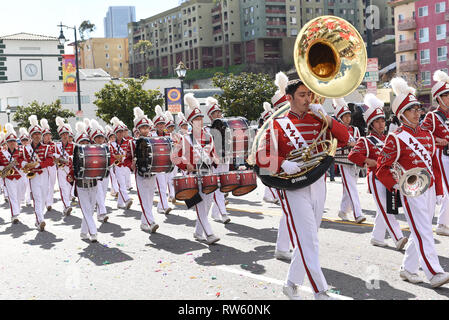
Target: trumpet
{"x":413,"y":182}
{"x":28,"y":169}
{"x":9,"y":169}
{"x":118,"y":159}
{"x":60,"y":162}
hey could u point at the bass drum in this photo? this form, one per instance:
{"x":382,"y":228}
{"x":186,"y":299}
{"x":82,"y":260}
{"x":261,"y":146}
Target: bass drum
{"x":91,"y":162}
{"x":153,"y":155}
{"x":232,"y":139}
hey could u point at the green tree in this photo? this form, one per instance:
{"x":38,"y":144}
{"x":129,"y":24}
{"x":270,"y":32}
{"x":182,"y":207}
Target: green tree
{"x":119,"y":100}
{"x":143,"y":46}
{"x":47,"y":111}
{"x":85,"y":28}
{"x":244,"y":94}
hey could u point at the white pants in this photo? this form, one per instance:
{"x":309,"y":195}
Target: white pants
{"x":39,"y":189}
{"x":51,"y":171}
{"x":384,"y":221}
{"x":120,"y":174}
{"x":2,"y":186}
{"x":203,"y":226}
{"x":218,"y":203}
{"x":145,"y":192}
{"x":65,"y":188}
{"x":128,"y":178}
{"x":102,"y":189}
{"x":420,"y":250}
{"x":443,"y":161}
{"x":13,"y":189}
{"x":113,"y":178}
{"x":270,"y":194}
{"x":24,"y":191}
{"x":350,"y":199}
{"x":304,"y":209}
{"x":87,"y":198}
{"x":171,"y":187}
{"x":283,"y":239}
{"x":161,"y":184}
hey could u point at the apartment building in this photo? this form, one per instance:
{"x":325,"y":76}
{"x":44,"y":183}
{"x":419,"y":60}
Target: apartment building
{"x":421,"y":42}
{"x":109,"y":54}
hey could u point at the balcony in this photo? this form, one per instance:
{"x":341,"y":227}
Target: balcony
{"x":408,"y":66}
{"x":407,"y":24}
{"x":446,"y":16}
{"x":407,"y":45}
{"x":275,"y":11}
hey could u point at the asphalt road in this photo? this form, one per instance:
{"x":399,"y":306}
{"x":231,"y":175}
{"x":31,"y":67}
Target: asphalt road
{"x":129,"y":264}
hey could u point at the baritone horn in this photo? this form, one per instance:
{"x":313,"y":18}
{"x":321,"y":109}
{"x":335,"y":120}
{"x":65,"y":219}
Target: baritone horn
{"x":412,"y":183}
{"x":331,"y":60}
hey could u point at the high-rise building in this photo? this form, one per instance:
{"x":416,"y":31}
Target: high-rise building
{"x":116,"y":21}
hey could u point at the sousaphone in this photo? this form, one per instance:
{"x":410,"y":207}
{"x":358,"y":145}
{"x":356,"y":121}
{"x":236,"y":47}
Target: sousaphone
{"x":331,"y":59}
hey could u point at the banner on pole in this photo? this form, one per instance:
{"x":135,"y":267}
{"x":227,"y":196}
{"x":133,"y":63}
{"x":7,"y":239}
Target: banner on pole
{"x":69,"y":72}
{"x":173,"y":100}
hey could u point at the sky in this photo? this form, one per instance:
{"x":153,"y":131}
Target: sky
{"x":43,"y":16}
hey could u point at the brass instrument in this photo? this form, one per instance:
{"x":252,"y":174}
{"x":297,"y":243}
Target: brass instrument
{"x":331,"y":60}
{"x":413,"y":182}
{"x":28,"y":169}
{"x":118,"y":159}
{"x":60,"y":162}
{"x":9,"y":169}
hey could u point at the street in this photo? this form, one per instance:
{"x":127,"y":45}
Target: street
{"x":129,"y":264}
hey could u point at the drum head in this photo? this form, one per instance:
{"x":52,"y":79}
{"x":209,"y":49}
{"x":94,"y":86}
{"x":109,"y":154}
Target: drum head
{"x":186,"y":194}
{"x":241,"y":191}
{"x":209,"y":189}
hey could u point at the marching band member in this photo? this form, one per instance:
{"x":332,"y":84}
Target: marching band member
{"x":97,"y":136}
{"x":280,"y":98}
{"x":127,"y":138}
{"x":160,"y":122}
{"x":35,"y":158}
{"x":436,"y":122}
{"x":303,"y":207}
{"x":2,"y":182}
{"x":174,"y":136}
{"x":196,"y":149}
{"x":412,"y":147}
{"x":51,"y":169}
{"x":365,"y":153}
{"x":349,"y":173}
{"x":64,"y":158}
{"x":145,"y":185}
{"x":219,"y":212}
{"x":86,"y":191}
{"x":71,"y":140}
{"x":110,"y":136}
{"x":118,"y":153}
{"x":10,"y":158}
{"x":25,"y":185}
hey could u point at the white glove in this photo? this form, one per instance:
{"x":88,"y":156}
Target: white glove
{"x":315,"y":108}
{"x":290,"y":167}
{"x":439,"y":200}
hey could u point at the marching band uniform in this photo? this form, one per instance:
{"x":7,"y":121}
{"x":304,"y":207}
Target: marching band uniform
{"x":2,"y":183}
{"x":127,"y":138}
{"x":51,"y":169}
{"x":25,"y":194}
{"x":349,"y":173}
{"x":102,"y":184}
{"x":303,"y":207}
{"x":369,"y":147}
{"x":412,"y":147}
{"x":39,"y":184}
{"x":145,"y":185}
{"x":175,"y":138}
{"x":435,"y":122}
{"x":12,"y":182}
{"x":64,"y":151}
{"x":195,"y":149}
{"x":219,"y":211}
{"x":120,"y":148}
{"x":110,"y":135}
{"x":161,"y":178}
{"x":86,"y":191}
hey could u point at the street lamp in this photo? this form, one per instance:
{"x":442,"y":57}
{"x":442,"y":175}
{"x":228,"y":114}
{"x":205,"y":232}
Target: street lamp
{"x":181,"y":71}
{"x":8,"y":112}
{"x":62,"y":40}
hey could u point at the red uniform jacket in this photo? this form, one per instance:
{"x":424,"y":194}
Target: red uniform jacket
{"x":51,"y":153}
{"x":65,"y":152}
{"x":184,"y":154}
{"x":407,"y":158}
{"x":120,"y":148}
{"x":42,"y":154}
{"x":276,"y":146}
{"x":6,"y":157}
{"x":367,"y":148}
{"x":433,"y":124}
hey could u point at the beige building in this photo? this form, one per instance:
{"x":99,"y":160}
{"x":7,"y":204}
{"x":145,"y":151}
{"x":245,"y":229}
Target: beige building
{"x":109,"y":54}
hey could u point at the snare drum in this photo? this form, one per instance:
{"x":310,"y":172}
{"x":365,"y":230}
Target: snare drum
{"x":186,"y":187}
{"x":248,"y":182}
{"x":91,"y":161}
{"x":209,"y":183}
{"x":153,"y":155}
{"x":229,"y":181}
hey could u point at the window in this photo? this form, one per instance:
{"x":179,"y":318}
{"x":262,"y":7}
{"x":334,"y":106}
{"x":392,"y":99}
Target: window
{"x":442,"y":53}
{"x":13,"y":102}
{"x":423,"y":35}
{"x":106,"y":46}
{"x":294,"y":32}
{"x":401,"y":37}
{"x":293,"y":20}
{"x":400,"y":17}
{"x":422,"y":12}
{"x":425,"y":77}
{"x":441,"y":32}
{"x":107,"y":55}
{"x":84,"y":99}
{"x":440,"y":7}
{"x":425,"y":56}
{"x":402,"y":58}
{"x":66,"y":100}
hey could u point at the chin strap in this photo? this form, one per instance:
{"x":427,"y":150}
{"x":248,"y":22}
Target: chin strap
{"x":441,"y":103}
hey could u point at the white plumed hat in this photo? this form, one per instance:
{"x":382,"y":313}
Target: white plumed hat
{"x":341,"y":107}
{"x":35,"y":127}
{"x":192,"y":107}
{"x":405,"y":96}
{"x":375,"y":109}
{"x":442,"y":85}
{"x":160,"y":116}
{"x":280,"y":99}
